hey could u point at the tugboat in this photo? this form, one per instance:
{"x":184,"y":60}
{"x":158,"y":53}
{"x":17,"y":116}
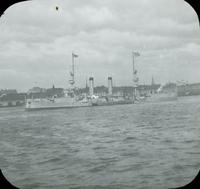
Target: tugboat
{"x":68,"y":100}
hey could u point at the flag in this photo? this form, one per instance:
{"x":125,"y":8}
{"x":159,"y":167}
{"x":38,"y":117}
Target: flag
{"x":74,"y":55}
{"x":71,"y":74}
{"x":136,"y":54}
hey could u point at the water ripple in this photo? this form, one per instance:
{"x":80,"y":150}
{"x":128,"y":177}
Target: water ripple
{"x":152,"y":145}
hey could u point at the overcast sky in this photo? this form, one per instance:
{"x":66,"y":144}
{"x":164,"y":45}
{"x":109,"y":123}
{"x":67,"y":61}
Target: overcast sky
{"x":36,"y":42}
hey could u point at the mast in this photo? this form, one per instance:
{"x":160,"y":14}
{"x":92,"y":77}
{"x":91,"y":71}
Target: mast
{"x":135,"y":78}
{"x":72,"y":80}
{"x":73,"y":68}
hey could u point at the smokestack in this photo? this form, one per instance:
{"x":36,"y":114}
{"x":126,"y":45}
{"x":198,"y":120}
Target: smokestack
{"x":110,"y":86}
{"x":91,"y":83}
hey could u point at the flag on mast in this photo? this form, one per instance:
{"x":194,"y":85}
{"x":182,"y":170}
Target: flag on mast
{"x":136,"y":54}
{"x":72,"y":74}
{"x":74,"y":55}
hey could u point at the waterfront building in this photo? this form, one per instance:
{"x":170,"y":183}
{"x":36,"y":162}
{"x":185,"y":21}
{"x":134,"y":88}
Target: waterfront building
{"x":8,"y":91}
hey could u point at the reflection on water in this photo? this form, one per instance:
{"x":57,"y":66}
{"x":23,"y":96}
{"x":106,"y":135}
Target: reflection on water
{"x":151,"y":145}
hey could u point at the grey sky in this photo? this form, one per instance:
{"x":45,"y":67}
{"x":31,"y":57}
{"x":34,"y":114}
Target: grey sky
{"x":36,"y":42}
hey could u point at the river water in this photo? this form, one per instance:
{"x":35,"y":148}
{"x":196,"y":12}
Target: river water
{"x":148,"y":145}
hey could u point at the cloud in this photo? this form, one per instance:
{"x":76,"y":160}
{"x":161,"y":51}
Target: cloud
{"x":37,"y":41}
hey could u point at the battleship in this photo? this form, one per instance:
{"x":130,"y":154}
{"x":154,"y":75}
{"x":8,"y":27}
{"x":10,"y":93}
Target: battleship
{"x":68,"y":100}
{"x":71,"y":100}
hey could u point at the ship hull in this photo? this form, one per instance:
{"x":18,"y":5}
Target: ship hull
{"x":62,"y":103}
{"x":111,"y":102}
{"x":44,"y":104}
{"x":54,"y":107}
